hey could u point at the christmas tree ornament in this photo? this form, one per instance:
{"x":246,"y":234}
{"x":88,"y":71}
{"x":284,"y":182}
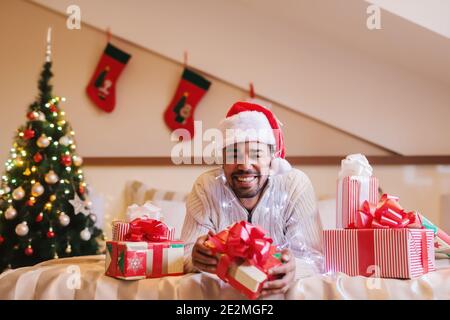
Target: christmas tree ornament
{"x":55,"y":256}
{"x":85,"y":234}
{"x":6,"y":189}
{"x":29,"y":250}
{"x":48,"y":206}
{"x":77,"y":160}
{"x":50,"y":233}
{"x":43,"y":141}
{"x":51,"y":177}
{"x":18,"y":193}
{"x":31,"y":201}
{"x":68,"y":249}
{"x":22,"y":229}
{"x":65,"y":141}
{"x":52,"y":197}
{"x":37,"y":157}
{"x":78,"y":205}
{"x":64,"y":219}
{"x":41,"y":116}
{"x":66,"y":160}
{"x":28,"y":134}
{"x":37,"y":189}
{"x":27,"y":172}
{"x":32,"y":115}
{"x":39,"y":217}
{"x":102,"y":86}
{"x":93,"y":217}
{"x":53,"y":108}
{"x":180,"y":112}
{"x":10,"y":213}
{"x":2,"y":239}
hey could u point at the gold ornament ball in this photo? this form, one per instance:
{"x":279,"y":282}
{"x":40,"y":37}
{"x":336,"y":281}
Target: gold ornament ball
{"x":65,"y":140}
{"x":18,"y":193}
{"x":85,"y":234}
{"x":64,"y":219}
{"x":41,"y":116}
{"x":77,"y":160}
{"x":52,"y":197}
{"x":51,"y":177}
{"x":10,"y":213}
{"x":22,"y":229}
{"x":43,"y":141}
{"x":37,"y":189}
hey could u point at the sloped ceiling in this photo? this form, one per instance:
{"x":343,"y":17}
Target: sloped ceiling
{"x":388,"y":86}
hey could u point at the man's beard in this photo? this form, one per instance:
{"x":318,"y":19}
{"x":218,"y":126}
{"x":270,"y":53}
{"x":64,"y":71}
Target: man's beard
{"x":244,"y":192}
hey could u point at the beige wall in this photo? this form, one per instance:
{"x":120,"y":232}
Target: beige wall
{"x":136,"y":127}
{"x":358,"y":88}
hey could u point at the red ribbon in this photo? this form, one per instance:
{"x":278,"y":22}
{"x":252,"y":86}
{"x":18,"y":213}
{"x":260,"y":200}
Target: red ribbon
{"x":386,"y":214}
{"x":242,"y":241}
{"x":149,"y":230}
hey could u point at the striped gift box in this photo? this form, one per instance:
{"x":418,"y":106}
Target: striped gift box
{"x":138,"y":260}
{"x":385,"y":253}
{"x":352,"y":191}
{"x":121,"y":228}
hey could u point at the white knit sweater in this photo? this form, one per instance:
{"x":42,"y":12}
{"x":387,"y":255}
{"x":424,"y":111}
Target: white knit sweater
{"x":287,"y":209}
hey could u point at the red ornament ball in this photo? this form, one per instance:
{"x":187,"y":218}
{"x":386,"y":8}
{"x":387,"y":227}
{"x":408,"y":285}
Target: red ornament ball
{"x":39,"y":217}
{"x":2,"y":240}
{"x":50,"y":234}
{"x":37,"y":157}
{"x":32,"y":115}
{"x":66,"y":160}
{"x":28,"y":134}
{"x":81,"y":189}
{"x":29,"y":251}
{"x":53,"y":108}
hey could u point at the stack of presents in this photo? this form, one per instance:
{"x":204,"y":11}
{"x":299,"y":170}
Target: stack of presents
{"x":376,"y":237}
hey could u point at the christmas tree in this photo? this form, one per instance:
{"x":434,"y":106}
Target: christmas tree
{"x":45,"y":212}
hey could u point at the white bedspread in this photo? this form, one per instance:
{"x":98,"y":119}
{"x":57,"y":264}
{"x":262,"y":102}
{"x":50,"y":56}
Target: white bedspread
{"x":83,"y":278}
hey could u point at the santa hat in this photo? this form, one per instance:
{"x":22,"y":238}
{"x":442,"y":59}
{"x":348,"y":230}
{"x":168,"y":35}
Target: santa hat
{"x":250,"y":122}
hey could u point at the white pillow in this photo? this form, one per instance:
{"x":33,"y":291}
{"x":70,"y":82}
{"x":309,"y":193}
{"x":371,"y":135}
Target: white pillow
{"x":327,"y":212}
{"x":173,"y":213}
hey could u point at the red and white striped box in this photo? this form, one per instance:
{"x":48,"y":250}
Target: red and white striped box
{"x":121,"y":228}
{"x":382,"y":253}
{"x":352,"y":191}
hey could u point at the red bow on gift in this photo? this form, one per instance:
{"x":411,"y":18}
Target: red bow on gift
{"x":387,"y":214}
{"x":241,"y":241}
{"x":149,"y":230}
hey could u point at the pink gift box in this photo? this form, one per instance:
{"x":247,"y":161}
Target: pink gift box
{"x":352,"y":191}
{"x":386,"y":253}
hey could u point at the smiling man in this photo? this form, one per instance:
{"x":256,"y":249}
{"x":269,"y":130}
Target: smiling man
{"x":258,"y":185}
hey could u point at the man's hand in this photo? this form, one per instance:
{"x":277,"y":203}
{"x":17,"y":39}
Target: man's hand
{"x":202,"y":257}
{"x":287,"y":273}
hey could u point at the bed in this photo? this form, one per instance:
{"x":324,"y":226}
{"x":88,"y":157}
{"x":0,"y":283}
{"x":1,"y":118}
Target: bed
{"x":83,"y":278}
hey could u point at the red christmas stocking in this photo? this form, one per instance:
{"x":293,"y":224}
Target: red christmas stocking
{"x":180,"y":112}
{"x":102,"y":87}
